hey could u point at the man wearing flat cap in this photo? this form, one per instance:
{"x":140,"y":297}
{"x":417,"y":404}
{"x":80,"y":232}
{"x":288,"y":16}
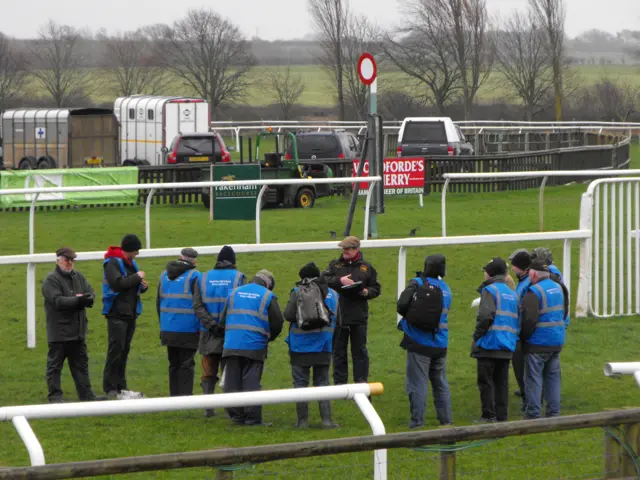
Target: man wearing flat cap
{"x":179,"y":325}
{"x":542,"y":336}
{"x":67,"y":295}
{"x":356,"y":282}
{"x":122,"y":284}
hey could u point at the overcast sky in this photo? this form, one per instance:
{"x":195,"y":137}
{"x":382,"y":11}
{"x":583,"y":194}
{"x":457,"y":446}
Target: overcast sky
{"x":273,"y":19}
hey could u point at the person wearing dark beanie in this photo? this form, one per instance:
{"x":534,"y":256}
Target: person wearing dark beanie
{"x":312,"y":348}
{"x":123,"y":284}
{"x":208,"y":301}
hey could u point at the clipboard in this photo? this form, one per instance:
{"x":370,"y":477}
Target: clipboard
{"x":355,"y":287}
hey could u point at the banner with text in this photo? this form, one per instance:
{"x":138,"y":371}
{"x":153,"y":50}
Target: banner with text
{"x":403,"y":175}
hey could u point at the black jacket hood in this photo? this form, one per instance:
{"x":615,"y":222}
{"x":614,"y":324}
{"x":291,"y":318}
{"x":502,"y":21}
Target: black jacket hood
{"x":175,"y":268}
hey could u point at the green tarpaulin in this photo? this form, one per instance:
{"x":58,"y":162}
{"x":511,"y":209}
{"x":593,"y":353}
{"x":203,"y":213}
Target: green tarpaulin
{"x":72,"y":177}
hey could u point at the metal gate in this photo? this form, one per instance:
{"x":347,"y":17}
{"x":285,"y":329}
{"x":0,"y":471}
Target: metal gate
{"x":610,"y":261}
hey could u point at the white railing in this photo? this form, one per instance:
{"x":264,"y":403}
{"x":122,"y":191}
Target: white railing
{"x":615,"y":369}
{"x":31,"y":260}
{"x":610,"y":264}
{"x":20,"y":415}
{"x":513,"y":175}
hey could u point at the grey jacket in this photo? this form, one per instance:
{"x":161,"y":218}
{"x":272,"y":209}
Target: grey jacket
{"x":66,"y":316}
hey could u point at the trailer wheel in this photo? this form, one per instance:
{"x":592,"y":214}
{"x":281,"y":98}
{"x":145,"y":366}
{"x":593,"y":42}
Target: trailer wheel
{"x":305,"y":198}
{"x":47,"y":162}
{"x":28,"y":163}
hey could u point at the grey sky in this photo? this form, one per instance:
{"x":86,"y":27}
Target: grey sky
{"x":274,"y":19}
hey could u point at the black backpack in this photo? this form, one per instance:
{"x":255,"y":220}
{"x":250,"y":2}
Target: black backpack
{"x":312,"y":312}
{"x":426,"y":307}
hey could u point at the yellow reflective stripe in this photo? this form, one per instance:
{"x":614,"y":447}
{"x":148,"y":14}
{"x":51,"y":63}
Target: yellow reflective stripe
{"x":251,"y":328}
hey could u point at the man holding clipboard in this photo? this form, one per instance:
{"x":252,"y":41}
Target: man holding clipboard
{"x":356,"y":282}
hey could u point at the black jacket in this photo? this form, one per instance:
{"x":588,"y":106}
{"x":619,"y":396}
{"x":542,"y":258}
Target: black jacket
{"x":276,"y":321}
{"x":291,"y":315}
{"x":190,"y":340}
{"x":484,"y":320}
{"x":124,"y":304}
{"x":354,"y":307}
{"x":66,"y":316}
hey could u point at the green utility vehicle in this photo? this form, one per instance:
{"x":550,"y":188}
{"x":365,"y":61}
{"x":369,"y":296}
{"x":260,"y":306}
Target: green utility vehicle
{"x":278,"y":165}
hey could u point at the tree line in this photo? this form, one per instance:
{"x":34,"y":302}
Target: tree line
{"x":446,"y":50}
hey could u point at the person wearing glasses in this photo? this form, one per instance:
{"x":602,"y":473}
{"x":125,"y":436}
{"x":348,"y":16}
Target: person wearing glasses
{"x":67,"y":295}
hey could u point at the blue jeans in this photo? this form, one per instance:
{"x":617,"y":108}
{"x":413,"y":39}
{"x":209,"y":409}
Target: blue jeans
{"x":420,"y":369}
{"x":542,"y":371}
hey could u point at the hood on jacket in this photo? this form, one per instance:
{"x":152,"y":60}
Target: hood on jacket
{"x":320,"y":281}
{"x":435,"y":266}
{"x":224,"y":265}
{"x":175,"y":268}
{"x":496,"y":279}
{"x":116,"y":252}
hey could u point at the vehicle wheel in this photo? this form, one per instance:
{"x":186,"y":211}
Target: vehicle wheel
{"x":46,"y":162}
{"x":205,"y":200}
{"x":129,"y":163}
{"x":305,"y":198}
{"x":27,"y":163}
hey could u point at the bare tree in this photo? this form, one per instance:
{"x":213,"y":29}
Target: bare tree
{"x":425,"y":54}
{"x":209,"y":54}
{"x":57,"y":62}
{"x":551,"y":15}
{"x":287,"y":88}
{"x":131,"y":60}
{"x":329,"y":18}
{"x":12,"y":73}
{"x":525,"y":62}
{"x":613,"y":101}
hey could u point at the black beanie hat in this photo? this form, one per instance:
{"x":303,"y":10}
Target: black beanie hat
{"x":435,"y":266}
{"x":521,"y":260}
{"x":310,"y":270}
{"x":227,"y":254}
{"x":130,"y":243}
{"x":497,"y":266}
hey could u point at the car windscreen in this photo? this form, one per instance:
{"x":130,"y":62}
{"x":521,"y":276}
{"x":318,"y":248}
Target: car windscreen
{"x":424,"y":132}
{"x":198,"y":145}
{"x":319,"y":145}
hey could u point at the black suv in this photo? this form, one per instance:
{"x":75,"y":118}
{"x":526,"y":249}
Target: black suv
{"x":324,"y":145}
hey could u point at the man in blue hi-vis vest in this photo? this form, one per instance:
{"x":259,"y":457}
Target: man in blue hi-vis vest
{"x":520,"y":263}
{"x":251,"y":319}
{"x":426,"y":350}
{"x":208,"y":301}
{"x":179,"y":326}
{"x":542,"y":336}
{"x":494,"y":340}
{"x":123,"y":283}
{"x":312,"y":349}
{"x":555,"y":274}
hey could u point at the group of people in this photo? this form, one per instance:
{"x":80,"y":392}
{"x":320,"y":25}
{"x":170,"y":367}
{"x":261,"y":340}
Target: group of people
{"x":230,"y":320}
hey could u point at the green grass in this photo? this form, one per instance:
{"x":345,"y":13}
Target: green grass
{"x":590,"y":342}
{"x":319,"y":90}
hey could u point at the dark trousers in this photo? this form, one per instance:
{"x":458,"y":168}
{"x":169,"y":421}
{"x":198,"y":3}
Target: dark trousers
{"x":493,"y":383}
{"x":120,"y":333}
{"x":243,"y":375}
{"x":518,"y":368}
{"x":75,"y":352}
{"x":181,"y":370}
{"x":359,"y":354}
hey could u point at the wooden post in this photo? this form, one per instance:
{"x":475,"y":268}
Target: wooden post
{"x":632,"y":434}
{"x":612,"y":456}
{"x":447,"y":465}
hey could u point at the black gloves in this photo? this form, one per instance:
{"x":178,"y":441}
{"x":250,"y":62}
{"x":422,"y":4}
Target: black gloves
{"x":86,"y":301}
{"x":217,"y":330}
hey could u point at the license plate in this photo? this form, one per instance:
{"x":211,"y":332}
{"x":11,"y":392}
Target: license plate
{"x":94,"y":161}
{"x":198,"y":159}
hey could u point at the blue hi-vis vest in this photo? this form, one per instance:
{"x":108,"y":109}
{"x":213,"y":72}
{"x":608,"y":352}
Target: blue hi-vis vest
{"x":109,"y":295}
{"x":521,"y":288}
{"x":428,"y":339}
{"x":247,"y":319}
{"x":556,"y":270}
{"x":550,"y":329}
{"x":503,"y":333}
{"x":316,"y":340}
{"x":176,"y":303}
{"x":215,"y":286}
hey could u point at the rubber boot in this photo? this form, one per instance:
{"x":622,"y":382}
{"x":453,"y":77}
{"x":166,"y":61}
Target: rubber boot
{"x":208,"y":387}
{"x":325,"y":414}
{"x":302,"y":409}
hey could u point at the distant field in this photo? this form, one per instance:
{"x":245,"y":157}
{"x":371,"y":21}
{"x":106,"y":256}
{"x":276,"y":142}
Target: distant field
{"x":319,"y":92}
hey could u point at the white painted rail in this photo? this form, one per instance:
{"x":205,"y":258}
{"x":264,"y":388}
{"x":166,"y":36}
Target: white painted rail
{"x":20,"y":415}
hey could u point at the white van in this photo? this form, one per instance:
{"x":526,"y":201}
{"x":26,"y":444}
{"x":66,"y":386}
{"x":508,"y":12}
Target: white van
{"x":420,"y":136}
{"x":149,"y":123}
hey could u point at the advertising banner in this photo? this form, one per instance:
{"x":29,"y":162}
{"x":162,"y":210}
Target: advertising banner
{"x":402,"y":175}
{"x":236,"y":202}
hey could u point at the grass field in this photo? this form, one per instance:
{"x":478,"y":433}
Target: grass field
{"x":590,"y":342}
{"x":319,"y":92}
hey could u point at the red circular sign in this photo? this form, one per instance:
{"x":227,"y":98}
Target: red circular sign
{"x":367,"y":68}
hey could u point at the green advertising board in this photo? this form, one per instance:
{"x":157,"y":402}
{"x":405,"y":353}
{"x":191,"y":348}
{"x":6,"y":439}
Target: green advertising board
{"x":236,"y":202}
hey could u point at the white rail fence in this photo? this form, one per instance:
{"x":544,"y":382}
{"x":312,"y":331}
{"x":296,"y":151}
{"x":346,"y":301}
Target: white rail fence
{"x":20,"y":415}
{"x":31,"y":260}
{"x":610,"y":264}
{"x":544,"y":174}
